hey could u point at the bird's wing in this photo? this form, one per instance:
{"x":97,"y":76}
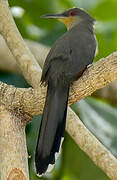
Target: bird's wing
{"x":57,"y":57}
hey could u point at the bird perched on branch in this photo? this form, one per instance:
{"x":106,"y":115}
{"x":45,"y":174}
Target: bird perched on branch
{"x":66,"y":62}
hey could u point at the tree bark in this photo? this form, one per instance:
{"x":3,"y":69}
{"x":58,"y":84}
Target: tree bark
{"x":13,"y":150}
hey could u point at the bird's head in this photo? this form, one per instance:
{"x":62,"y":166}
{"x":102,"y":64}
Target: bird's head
{"x":71,"y":17}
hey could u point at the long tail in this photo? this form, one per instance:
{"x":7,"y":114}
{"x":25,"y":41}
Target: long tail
{"x":52,"y":126}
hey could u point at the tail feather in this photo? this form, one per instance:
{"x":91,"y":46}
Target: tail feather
{"x":52,"y":126}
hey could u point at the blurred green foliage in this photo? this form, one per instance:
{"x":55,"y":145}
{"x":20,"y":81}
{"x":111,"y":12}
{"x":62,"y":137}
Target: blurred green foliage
{"x":99,"y":116}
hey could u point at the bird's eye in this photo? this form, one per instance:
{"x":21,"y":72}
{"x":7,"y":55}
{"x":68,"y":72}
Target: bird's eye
{"x":72,"y":13}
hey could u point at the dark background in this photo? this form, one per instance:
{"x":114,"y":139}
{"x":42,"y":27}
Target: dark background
{"x":100,"y":116}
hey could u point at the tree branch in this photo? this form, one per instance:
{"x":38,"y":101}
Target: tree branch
{"x":97,"y":76}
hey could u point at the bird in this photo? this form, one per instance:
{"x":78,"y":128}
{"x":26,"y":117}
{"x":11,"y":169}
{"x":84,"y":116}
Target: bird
{"x":68,"y":58}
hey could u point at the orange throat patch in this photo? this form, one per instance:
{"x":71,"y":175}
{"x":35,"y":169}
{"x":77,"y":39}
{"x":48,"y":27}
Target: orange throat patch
{"x":67,"y":21}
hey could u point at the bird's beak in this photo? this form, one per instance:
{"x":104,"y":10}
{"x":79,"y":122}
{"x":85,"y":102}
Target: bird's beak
{"x":56,"y":16}
{"x":61,"y":17}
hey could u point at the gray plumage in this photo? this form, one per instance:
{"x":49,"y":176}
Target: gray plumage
{"x":67,"y":59}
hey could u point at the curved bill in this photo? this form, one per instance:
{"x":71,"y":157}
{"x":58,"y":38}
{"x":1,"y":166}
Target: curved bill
{"x":53,"y":16}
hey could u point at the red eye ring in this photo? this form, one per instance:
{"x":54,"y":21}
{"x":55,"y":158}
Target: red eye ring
{"x":72,"y":13}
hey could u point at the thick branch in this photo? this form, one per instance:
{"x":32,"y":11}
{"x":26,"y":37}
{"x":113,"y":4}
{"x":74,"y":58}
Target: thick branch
{"x":13,"y":152}
{"x":97,"y":76}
